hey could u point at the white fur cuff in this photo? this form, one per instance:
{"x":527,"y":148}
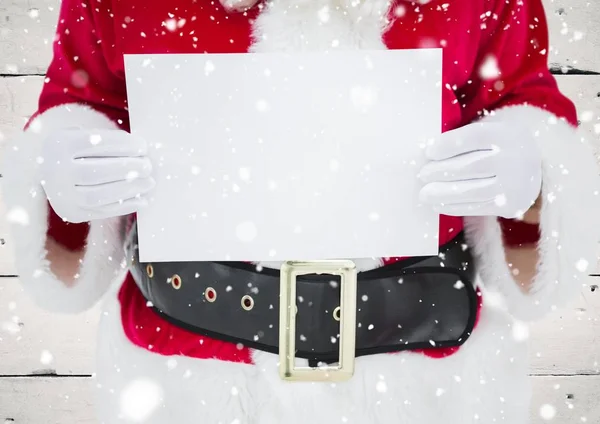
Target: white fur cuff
{"x":27,"y":212}
{"x":570,"y":207}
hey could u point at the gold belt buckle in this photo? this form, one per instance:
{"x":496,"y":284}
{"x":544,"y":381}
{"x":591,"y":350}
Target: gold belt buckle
{"x":290,"y":270}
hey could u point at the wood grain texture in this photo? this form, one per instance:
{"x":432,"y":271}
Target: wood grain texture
{"x":568,"y":341}
{"x":574,"y":34}
{"x":27,"y":31}
{"x":46,"y":401}
{"x":26,"y":35}
{"x":34,"y":342}
{"x":568,"y":400}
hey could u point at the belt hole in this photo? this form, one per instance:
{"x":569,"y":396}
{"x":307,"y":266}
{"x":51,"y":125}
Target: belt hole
{"x":176,"y":282}
{"x":247,"y":302}
{"x":150,"y":270}
{"x":210,"y":294}
{"x":337,"y":313}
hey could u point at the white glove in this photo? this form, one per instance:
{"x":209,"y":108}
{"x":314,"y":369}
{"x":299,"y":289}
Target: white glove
{"x":486,"y":168}
{"x":95,"y":174}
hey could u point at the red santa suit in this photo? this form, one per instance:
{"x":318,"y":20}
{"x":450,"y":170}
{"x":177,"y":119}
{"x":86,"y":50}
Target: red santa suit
{"x":151,"y":371}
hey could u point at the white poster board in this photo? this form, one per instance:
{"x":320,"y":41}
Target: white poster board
{"x":286,"y":156}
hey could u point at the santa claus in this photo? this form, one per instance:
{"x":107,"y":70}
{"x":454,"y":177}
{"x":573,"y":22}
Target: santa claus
{"x":514,"y":182}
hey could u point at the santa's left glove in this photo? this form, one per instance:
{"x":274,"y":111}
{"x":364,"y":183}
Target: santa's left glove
{"x":486,"y":168}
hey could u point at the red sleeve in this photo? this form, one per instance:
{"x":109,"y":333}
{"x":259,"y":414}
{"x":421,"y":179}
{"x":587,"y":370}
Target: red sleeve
{"x":512,"y":69}
{"x":79,"y":73}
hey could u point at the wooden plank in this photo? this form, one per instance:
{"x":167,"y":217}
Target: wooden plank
{"x":46,"y":400}
{"x":561,"y":400}
{"x":574,"y":34}
{"x":18,"y":100}
{"x":566,"y":400}
{"x":28,"y":30}
{"x":34,"y":342}
{"x":568,"y":341}
{"x":26,"y":35}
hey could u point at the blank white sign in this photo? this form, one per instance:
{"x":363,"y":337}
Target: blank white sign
{"x":286,"y":156}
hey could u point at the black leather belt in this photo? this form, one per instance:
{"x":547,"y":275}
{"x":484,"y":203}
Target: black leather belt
{"x":413,"y":304}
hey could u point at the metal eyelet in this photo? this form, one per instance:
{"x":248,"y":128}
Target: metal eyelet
{"x":150,"y":270}
{"x":337,"y":313}
{"x":176,"y":282}
{"x":210,"y":294}
{"x":247,"y":303}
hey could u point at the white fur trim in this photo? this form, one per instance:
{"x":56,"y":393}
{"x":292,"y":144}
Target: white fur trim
{"x":27,"y":211}
{"x":570,"y":208}
{"x":484,"y":382}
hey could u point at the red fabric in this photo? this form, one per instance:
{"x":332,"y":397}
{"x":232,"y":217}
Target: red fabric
{"x":93,"y":35}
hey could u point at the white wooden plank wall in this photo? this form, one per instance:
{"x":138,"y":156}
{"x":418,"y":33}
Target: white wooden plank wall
{"x":46,"y":361}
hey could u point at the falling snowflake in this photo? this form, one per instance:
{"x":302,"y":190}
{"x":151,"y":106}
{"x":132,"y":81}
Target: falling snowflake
{"x":18,"y":215}
{"x":140,"y":399}
{"x":381,"y":386}
{"x":489,"y":68}
{"x":46,"y":357}
{"x":547,"y":412}
{"x":324,"y":14}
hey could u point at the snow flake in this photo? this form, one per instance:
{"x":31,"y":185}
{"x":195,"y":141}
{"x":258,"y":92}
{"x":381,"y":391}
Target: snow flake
{"x":500,"y":200}
{"x":80,"y":78}
{"x":489,"y":68}
{"x":95,"y":139}
{"x":244,"y":174}
{"x":209,"y":67}
{"x":46,"y":357}
{"x":170,"y":24}
{"x":381,"y":386}
{"x":439,"y":392}
{"x":139,"y":399}
{"x":171,"y":363}
{"x":374,"y":216}
{"x":262,"y":105}
{"x":324,"y":14}
{"x":11,"y":68}
{"x":582,"y":265}
{"x":547,"y":412}
{"x":132,"y":175}
{"x":33,"y":13}
{"x":587,"y":116}
{"x":18,"y":215}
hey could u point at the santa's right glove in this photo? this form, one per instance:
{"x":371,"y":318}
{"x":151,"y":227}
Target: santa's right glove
{"x":95,"y":174}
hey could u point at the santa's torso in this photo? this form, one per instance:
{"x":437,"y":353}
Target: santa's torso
{"x":141,"y":355}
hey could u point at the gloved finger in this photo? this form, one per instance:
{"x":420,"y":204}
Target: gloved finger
{"x":470,"y":138}
{"x":458,"y":192}
{"x":103,"y":143}
{"x":467,"y":209}
{"x":95,"y":171}
{"x":125,"y":207}
{"x":90,"y":197}
{"x":474,"y":165}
